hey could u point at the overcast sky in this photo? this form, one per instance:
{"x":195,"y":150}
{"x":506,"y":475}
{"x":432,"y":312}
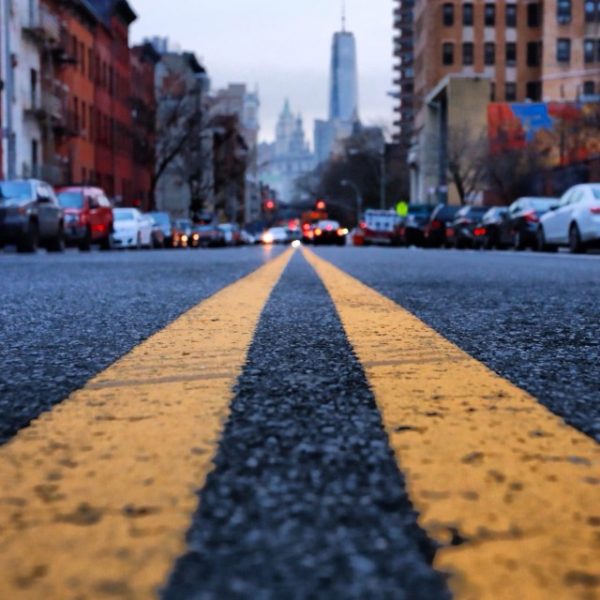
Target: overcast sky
{"x":282,"y":46}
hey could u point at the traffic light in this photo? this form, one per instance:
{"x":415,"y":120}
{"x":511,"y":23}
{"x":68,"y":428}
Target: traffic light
{"x":269,"y":205}
{"x":321,"y":205}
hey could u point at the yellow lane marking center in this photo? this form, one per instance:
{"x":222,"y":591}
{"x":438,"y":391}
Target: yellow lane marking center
{"x":98,"y":493}
{"x":510,"y":491}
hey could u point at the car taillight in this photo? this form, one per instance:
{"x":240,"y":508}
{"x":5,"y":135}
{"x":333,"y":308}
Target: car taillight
{"x":595,"y":210}
{"x":435,"y":225}
{"x":479,"y":231}
{"x":363,"y":225}
{"x":531,"y":216}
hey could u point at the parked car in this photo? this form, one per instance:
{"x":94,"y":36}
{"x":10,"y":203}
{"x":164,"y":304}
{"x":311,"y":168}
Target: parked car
{"x":207,"y":236}
{"x":88,"y":216}
{"x":275,"y":235}
{"x":163,"y":229}
{"x":30,"y":216}
{"x":412,"y":231}
{"x":329,"y":233}
{"x":132,"y":229}
{"x":492,"y":232}
{"x":524,"y":217}
{"x":434,"y":234}
{"x":461,"y":232}
{"x":383,"y":227}
{"x":247,"y":237}
{"x":232,"y":234}
{"x":575,"y":222}
{"x":182,"y":233}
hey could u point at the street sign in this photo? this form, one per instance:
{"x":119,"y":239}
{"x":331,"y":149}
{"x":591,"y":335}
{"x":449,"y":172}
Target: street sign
{"x":402,"y":209}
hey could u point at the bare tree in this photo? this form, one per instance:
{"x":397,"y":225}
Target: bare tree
{"x":467,"y":156}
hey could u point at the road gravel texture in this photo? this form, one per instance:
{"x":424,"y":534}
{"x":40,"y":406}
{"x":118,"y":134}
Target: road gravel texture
{"x":306,"y":500}
{"x":532,"y":318}
{"x":65,"y":318}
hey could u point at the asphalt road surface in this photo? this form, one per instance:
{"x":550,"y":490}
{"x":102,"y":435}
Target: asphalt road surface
{"x":303,"y":495}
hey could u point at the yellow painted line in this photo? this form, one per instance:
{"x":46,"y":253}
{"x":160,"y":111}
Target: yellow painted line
{"x":487,"y":466}
{"x":97,"y":494}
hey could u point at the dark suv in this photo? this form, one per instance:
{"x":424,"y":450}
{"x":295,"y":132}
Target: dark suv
{"x":88,"y":216}
{"x":440,"y":220}
{"x":30,"y":216}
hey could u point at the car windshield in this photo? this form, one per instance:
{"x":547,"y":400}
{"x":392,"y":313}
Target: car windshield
{"x":478,"y":211}
{"x":161,"y":218}
{"x":541,"y":203}
{"x":203,"y":228}
{"x":446,"y":212}
{"x":71,"y":199}
{"x":124,"y":215}
{"x":328,"y":225}
{"x":20,"y":190}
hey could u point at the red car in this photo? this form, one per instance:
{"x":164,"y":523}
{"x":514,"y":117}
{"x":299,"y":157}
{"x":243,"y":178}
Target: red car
{"x":88,"y":216}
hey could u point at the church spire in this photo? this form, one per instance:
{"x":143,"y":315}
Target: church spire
{"x":343,"y":15}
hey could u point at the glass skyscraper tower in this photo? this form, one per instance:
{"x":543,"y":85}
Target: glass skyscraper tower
{"x":343,"y":93}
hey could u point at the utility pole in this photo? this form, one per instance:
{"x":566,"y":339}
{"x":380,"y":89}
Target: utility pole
{"x":382,"y":186}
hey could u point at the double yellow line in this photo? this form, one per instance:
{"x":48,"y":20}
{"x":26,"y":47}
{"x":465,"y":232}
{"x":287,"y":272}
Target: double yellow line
{"x":97,"y":495}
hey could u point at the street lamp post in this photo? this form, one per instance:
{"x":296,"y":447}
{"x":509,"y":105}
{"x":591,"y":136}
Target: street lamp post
{"x":359,"y":201}
{"x":382,"y":173}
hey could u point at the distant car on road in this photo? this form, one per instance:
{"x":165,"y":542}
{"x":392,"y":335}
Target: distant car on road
{"x":30,"y":216}
{"x":382,"y":227}
{"x":163,"y":229}
{"x":275,"y":235}
{"x":232,"y":234}
{"x":88,"y":216}
{"x":461,"y":232}
{"x":575,"y":222}
{"x":524,"y":218}
{"x":329,"y":233}
{"x":182,"y":233}
{"x":132,"y":229}
{"x":413,"y":228}
{"x":207,"y":236}
{"x":492,"y":231}
{"x":434,"y":234}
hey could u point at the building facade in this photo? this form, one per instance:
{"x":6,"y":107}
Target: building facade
{"x":523,"y":51}
{"x":404,"y":68}
{"x":288,"y":157}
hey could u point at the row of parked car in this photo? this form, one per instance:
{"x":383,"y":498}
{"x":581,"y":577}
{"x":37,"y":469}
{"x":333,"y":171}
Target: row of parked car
{"x":539,"y":223}
{"x":33,"y":214}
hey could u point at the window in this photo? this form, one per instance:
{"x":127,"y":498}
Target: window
{"x":76,"y":114}
{"x":563,"y":50}
{"x":534,"y":54}
{"x":489,"y":15}
{"x":91,"y":64}
{"x":592,"y":11}
{"x":563,"y":12}
{"x":510,"y":92}
{"x":589,"y":50}
{"x":468,"y":53}
{"x":534,"y":91}
{"x":448,"y":53}
{"x":511,"y":15}
{"x":489,"y":54}
{"x":468,"y":14}
{"x":534,"y":15}
{"x":511,"y":54}
{"x":598,"y":50}
{"x":589,"y":88}
{"x":448,"y":14}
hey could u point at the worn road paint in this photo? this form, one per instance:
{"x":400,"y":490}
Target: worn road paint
{"x":98,"y":493}
{"x":507,"y":488}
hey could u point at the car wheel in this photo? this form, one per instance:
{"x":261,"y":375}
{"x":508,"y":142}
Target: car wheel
{"x":542,"y":245}
{"x":519,"y":243}
{"x":575,"y":244}
{"x":58,"y":243}
{"x":105,"y":243}
{"x":138,"y":244}
{"x":31,"y":239}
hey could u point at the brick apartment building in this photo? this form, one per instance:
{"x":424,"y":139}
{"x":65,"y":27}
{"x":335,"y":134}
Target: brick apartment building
{"x":536,"y":50}
{"x":503,"y":51}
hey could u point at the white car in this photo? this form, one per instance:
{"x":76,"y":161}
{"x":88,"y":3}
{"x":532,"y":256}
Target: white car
{"x":132,"y":229}
{"x":575,"y":222}
{"x":275,"y":235}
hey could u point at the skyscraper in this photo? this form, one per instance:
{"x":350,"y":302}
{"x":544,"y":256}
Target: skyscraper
{"x":343,"y":93}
